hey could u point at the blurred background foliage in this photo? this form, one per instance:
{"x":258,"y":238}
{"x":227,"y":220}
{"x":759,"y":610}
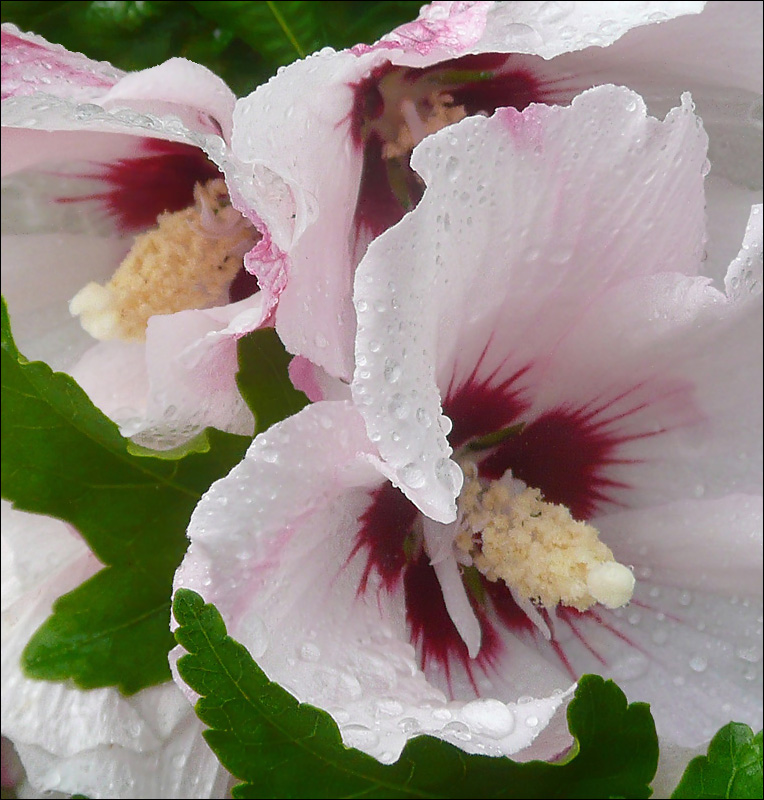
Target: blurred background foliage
{"x":243,"y":42}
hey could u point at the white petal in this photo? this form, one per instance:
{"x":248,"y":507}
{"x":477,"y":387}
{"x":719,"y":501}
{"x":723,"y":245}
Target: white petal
{"x":694,"y":656}
{"x":481,"y":271}
{"x":549,"y":30}
{"x":709,"y":55}
{"x":284,"y":577}
{"x":445,"y":29}
{"x":97,"y":742}
{"x":31,"y":64}
{"x":707,"y":545}
{"x":728,"y":208}
{"x":307,"y":216}
{"x":58,"y":266}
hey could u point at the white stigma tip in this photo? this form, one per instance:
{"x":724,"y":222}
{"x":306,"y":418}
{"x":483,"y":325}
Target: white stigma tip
{"x":611,"y":584}
{"x":93,"y":304}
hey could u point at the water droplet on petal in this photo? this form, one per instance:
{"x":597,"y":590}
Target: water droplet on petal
{"x":310,"y":652}
{"x":413,"y":476}
{"x":398,"y":406}
{"x":490,"y":717}
{"x":698,"y":663}
{"x":392,"y":371}
{"x":360,"y":736}
{"x":423,"y":418}
{"x":458,"y":730}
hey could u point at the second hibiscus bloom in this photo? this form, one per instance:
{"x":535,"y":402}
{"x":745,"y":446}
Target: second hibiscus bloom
{"x":540,"y":314}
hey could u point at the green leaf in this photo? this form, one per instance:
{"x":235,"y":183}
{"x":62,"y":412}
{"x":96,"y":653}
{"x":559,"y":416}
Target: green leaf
{"x":62,"y":457}
{"x":282,"y":32}
{"x":263,"y":379}
{"x":281,"y":748}
{"x":732,"y":768}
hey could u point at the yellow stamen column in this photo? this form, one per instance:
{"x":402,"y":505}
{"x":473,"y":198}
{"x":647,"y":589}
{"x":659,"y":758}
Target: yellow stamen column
{"x":543,"y":555}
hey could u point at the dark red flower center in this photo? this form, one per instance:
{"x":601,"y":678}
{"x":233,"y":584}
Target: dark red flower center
{"x":474,"y":84}
{"x":565,"y":452}
{"x":161,"y":178}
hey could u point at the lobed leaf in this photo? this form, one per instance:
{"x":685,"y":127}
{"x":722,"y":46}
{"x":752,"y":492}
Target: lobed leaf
{"x":281,"y":748}
{"x":731,"y":769}
{"x":62,"y":457}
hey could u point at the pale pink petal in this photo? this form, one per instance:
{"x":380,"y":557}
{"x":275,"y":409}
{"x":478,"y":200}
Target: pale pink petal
{"x":115,"y":378}
{"x":709,"y":55}
{"x":316,"y":241}
{"x":695,"y":656}
{"x":97,"y":742}
{"x":447,"y":29}
{"x":192,"y":361}
{"x":513,"y":203}
{"x":325,"y":640}
{"x":306,"y":216}
{"x":706,"y":545}
{"x":198,"y":97}
{"x":31,"y":64}
{"x":182,"y":380}
{"x":315,"y":382}
{"x":45,"y":87}
{"x":26,"y":147}
{"x":670,"y":369}
{"x":57,"y":266}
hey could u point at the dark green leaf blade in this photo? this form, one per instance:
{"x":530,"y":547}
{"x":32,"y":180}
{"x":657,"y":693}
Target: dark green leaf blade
{"x":256,"y":728}
{"x":62,"y":457}
{"x":103,"y":625}
{"x":263,"y":379}
{"x":282,"y":32}
{"x":732,"y":768}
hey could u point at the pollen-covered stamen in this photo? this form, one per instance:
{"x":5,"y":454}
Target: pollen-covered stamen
{"x":409,"y":109}
{"x":419,"y":120}
{"x":187,"y":261}
{"x":510,"y":533}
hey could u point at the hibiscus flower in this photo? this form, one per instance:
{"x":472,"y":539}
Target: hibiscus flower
{"x":363,"y":110}
{"x":542,"y":315}
{"x":109,"y":178}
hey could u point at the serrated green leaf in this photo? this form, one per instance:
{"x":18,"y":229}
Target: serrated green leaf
{"x":280,"y":748}
{"x":62,"y":457}
{"x":732,"y":768}
{"x":263,"y":379}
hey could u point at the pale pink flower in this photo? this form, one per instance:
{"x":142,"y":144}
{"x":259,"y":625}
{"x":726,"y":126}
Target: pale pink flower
{"x":555,"y":274}
{"x":92,"y":156}
{"x":355,"y":115}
